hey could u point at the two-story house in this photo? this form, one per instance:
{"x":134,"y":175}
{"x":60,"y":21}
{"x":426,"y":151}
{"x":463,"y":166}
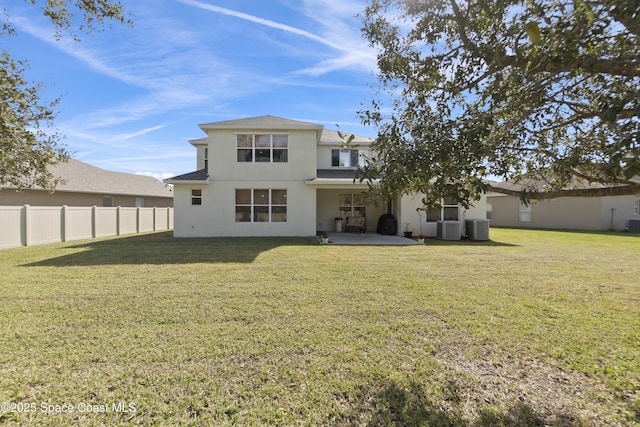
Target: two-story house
{"x":269,"y":176}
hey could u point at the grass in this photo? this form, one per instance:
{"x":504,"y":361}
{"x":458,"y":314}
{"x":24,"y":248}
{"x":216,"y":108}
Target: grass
{"x":532,"y":328}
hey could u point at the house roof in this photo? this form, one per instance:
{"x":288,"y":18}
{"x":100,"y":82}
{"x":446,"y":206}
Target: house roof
{"x":336,"y":173}
{"x":262,"y":122}
{"x":80,"y":177}
{"x":199,"y":176}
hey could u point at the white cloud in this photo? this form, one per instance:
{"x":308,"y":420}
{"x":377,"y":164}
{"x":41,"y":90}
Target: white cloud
{"x":157,"y":175}
{"x":260,"y":21}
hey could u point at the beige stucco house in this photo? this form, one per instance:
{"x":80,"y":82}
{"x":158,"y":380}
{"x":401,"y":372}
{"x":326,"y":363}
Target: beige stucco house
{"x":87,"y":185}
{"x":572,"y":213}
{"x":270,"y":176}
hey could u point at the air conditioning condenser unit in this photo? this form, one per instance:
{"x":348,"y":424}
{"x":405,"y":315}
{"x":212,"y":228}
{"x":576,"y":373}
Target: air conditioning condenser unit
{"x":448,"y":230}
{"x":477,"y":229}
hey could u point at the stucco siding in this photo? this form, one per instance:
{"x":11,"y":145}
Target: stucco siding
{"x":215,"y":217}
{"x":223,"y":164}
{"x":566,"y":213}
{"x":417,"y":220}
{"x":616,"y":210}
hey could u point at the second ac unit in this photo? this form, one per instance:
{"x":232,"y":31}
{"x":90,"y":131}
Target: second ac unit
{"x":477,"y":229}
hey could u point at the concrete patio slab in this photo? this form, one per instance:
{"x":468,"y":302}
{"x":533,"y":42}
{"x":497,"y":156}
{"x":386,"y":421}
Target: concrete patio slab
{"x":372,"y":239}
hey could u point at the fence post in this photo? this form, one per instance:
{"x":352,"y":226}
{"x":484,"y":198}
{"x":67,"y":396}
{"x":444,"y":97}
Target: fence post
{"x":118,"y":221}
{"x":154,"y":219}
{"x":27,"y":230}
{"x":94,"y":219}
{"x":65,"y":224}
{"x":137,"y":219}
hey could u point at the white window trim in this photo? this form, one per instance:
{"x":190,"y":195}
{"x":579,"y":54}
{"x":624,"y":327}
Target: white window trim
{"x":269,"y":206}
{"x":194,"y":197}
{"x":444,"y":206}
{"x":362,"y":156}
{"x":254,"y":148}
{"x":524,"y":212}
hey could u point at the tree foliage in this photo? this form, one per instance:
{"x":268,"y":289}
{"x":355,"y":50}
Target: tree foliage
{"x":29,"y":142}
{"x":545,"y":93}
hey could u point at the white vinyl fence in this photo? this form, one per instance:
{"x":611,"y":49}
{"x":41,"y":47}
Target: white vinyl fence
{"x":34,"y":225}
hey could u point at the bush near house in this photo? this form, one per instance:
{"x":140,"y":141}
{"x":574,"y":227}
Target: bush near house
{"x":532,"y":328}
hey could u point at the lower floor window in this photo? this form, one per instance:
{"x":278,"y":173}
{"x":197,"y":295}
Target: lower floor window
{"x":524,"y":212}
{"x":107,"y":201}
{"x":449,"y":211}
{"x":261,"y":205}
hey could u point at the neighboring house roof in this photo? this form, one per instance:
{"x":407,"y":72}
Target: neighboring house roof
{"x":532,"y":183}
{"x":80,"y":177}
{"x":333,"y":137}
{"x":198,"y":177}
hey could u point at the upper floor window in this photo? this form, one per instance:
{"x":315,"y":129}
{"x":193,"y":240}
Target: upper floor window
{"x":636,"y":207}
{"x":262,"y":148}
{"x":196,"y":197}
{"x":348,"y":158}
{"x":206,"y":158}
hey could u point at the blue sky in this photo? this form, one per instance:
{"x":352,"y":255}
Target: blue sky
{"x":133,"y":97}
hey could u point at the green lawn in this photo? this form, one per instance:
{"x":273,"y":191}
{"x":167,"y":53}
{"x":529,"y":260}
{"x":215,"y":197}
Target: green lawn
{"x":531,"y":328}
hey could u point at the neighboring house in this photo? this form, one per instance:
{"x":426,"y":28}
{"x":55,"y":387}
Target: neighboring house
{"x":269,"y":176}
{"x":86,"y":185}
{"x":577,"y":213}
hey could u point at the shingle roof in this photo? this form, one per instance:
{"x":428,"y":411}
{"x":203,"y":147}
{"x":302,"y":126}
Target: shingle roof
{"x":261,"y":122}
{"x":84,"y":178}
{"x":199,"y":175}
{"x":333,"y":137}
{"x":336,"y":173}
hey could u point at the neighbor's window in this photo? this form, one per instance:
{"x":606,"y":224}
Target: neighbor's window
{"x":261,"y":205}
{"x":107,"y":201}
{"x":524,"y":212}
{"x":139,"y":202}
{"x":196,"y":197}
{"x":262,"y":148}
{"x":348,"y":158}
{"x":449,"y":211}
{"x":636,"y":207}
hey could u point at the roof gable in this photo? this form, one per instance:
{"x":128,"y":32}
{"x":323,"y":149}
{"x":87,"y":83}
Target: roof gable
{"x":262,"y":122}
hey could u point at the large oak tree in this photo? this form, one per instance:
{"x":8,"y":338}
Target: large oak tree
{"x":545,"y":93}
{"x":29,"y":141}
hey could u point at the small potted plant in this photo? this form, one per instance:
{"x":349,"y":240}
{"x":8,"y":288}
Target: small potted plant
{"x":324,"y":238}
{"x":408,"y":231}
{"x":420,"y":238}
{"x":339,"y":224}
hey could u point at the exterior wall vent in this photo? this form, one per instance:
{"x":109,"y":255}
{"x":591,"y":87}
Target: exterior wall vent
{"x":448,"y":230}
{"x":477,"y":229}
